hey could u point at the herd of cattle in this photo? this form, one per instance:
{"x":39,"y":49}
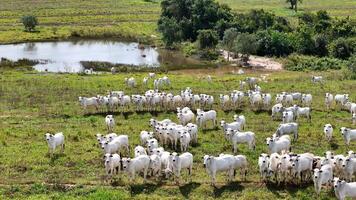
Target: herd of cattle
{"x":280,"y":165}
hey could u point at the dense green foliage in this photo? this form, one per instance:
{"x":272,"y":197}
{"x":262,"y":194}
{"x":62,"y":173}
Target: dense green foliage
{"x":207,"y":39}
{"x":306,"y":63}
{"x":315,"y":34}
{"x":29,"y":22}
{"x":245,"y":44}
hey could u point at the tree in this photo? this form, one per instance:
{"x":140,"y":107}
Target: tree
{"x":170,"y":30}
{"x":304,"y":41}
{"x":321,"y":43}
{"x":340,"y":49}
{"x":30,"y":22}
{"x":294,"y":4}
{"x":245,"y":44}
{"x":207,"y":39}
{"x":228,"y":40}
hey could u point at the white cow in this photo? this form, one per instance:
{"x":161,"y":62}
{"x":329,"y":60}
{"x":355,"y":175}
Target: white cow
{"x":112,"y":163}
{"x":136,"y":165}
{"x":329,"y":98}
{"x":288,"y":128}
{"x":349,"y":166}
{"x":263,"y":163}
{"x":237,"y":137}
{"x":110,"y":122}
{"x":179,"y":162}
{"x":322,"y":176}
{"x":328,"y":131}
{"x":86,"y":102}
{"x":307,"y":99}
{"x":344,"y":189}
{"x":241,"y":119}
{"x":287,"y":116}
{"x":277,"y":146}
{"x":54,"y":141}
{"x":348,"y":134}
{"x":203,"y":117}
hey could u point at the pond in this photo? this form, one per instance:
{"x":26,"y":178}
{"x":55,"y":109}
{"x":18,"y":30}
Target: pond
{"x":65,"y":56}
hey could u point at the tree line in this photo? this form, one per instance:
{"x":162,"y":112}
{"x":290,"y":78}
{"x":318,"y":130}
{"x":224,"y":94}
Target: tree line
{"x":259,"y":32}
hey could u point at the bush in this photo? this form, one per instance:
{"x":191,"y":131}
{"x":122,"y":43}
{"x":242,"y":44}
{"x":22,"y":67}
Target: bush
{"x":209,"y":54}
{"x":351,"y":67}
{"x":321,"y":43}
{"x":297,"y":62}
{"x":340,"y":49}
{"x":273,"y":43}
{"x":30,"y":22}
{"x":207,"y":39}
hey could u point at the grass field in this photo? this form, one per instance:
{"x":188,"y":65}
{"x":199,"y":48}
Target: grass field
{"x":32,"y":104}
{"x":131,"y":19}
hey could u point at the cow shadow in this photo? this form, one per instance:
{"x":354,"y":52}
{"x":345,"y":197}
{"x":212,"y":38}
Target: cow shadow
{"x":232,"y":186}
{"x":146,"y":188}
{"x":186,"y":189}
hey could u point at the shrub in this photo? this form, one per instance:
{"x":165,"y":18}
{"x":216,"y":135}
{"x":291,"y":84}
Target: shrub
{"x":207,"y":39}
{"x":297,"y":62}
{"x":340,"y":49}
{"x":30,"y":22}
